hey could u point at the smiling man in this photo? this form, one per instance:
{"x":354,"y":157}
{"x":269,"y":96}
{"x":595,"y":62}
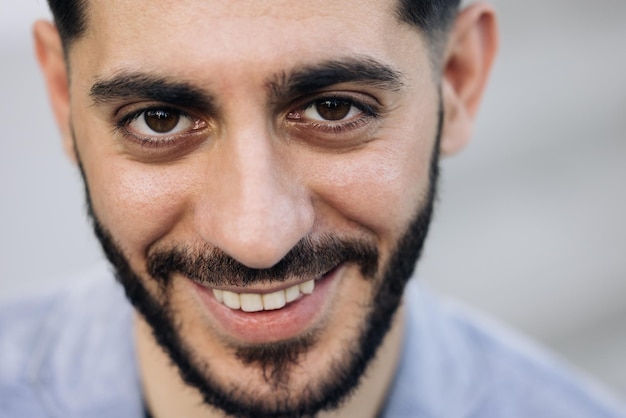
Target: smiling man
{"x":261,"y":176}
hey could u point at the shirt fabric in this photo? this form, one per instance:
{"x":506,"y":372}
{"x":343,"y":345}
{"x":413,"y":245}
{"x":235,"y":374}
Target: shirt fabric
{"x":70,"y":354}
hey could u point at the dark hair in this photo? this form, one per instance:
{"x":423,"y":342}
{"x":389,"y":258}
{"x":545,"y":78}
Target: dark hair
{"x":70,"y":17}
{"x":433,"y":17}
{"x":430,"y":16}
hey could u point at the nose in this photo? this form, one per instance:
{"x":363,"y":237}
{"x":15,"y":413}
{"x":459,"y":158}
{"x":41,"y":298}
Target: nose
{"x":252,"y":205}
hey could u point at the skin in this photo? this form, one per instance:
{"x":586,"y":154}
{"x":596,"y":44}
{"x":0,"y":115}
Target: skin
{"x":252,"y":181}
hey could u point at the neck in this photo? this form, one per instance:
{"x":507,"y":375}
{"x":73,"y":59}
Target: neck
{"x":167,"y":396}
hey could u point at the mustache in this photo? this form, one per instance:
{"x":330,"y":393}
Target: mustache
{"x":308,"y":258}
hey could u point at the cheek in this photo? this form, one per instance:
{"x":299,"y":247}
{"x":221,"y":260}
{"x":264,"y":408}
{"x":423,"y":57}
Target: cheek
{"x":138,"y":203}
{"x":379,"y":188}
{"x":382,"y":186}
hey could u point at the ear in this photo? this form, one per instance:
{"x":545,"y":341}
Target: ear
{"x":49,"y":51}
{"x":467,"y":62}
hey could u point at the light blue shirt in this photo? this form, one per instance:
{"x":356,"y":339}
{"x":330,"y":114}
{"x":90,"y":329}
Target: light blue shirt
{"x":71,"y":355}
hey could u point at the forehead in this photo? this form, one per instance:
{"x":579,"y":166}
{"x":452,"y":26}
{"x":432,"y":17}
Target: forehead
{"x":144,"y":14}
{"x":184,"y":36}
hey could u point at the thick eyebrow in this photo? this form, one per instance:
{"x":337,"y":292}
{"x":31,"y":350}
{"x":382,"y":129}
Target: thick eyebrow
{"x":130,"y":85}
{"x":360,"y":70}
{"x":287,"y":85}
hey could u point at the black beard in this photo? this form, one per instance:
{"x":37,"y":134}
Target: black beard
{"x":275,"y":359}
{"x":210,"y":266}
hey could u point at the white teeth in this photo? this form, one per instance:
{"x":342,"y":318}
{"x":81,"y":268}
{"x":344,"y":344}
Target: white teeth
{"x":219,"y":295}
{"x":292,"y":293}
{"x":251,"y":302}
{"x":255,"y":302}
{"x":231,"y":299}
{"x":274,"y":300}
{"x":307,"y":287}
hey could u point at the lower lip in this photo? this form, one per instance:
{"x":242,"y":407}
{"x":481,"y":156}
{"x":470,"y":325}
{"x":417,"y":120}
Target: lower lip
{"x":270,"y":326}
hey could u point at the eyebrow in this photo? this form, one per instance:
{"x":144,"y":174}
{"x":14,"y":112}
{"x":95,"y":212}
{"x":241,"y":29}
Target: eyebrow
{"x":287,"y":85}
{"x":361,"y":70}
{"x":129,"y":85}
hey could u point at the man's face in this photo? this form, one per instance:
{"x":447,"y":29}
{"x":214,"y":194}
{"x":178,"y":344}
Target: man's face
{"x":260,"y":149}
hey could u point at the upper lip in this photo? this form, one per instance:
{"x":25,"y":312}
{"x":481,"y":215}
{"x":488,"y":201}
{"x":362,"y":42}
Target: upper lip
{"x":265,"y":290}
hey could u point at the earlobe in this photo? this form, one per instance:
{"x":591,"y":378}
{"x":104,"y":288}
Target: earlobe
{"x":49,"y":51}
{"x":467,"y":63}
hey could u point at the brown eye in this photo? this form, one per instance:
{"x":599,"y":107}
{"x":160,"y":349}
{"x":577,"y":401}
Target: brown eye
{"x":161,"y":121}
{"x":333,"y":109}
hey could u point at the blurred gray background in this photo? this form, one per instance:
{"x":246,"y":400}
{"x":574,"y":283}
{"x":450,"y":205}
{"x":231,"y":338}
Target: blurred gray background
{"x":531,"y":224}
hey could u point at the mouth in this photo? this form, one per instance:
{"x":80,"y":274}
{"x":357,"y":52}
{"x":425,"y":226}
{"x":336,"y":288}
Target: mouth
{"x":259,"y":315}
{"x":265,"y":301}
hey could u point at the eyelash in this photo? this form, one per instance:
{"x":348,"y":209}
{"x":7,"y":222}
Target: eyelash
{"x":122,"y":125}
{"x":367,"y":113}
